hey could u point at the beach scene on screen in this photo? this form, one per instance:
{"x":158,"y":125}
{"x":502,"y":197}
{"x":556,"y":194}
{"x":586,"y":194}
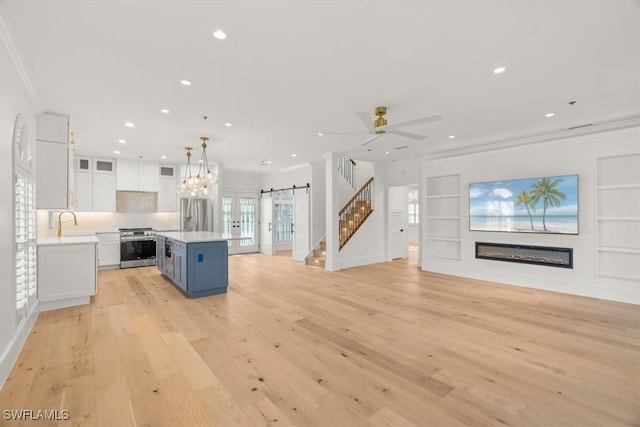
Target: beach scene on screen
{"x":534,"y":205}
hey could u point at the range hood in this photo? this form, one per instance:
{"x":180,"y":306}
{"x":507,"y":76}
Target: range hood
{"x":136,"y":201}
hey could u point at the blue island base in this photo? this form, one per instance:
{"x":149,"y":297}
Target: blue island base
{"x":198,"y":269}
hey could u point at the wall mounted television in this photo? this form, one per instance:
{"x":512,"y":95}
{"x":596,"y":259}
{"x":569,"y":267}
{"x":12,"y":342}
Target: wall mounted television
{"x":532,"y":205}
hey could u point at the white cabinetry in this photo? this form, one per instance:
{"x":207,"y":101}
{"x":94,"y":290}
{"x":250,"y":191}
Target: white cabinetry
{"x":108,"y":250}
{"x":83,"y":196}
{"x":443,"y":217}
{"x":104,"y":192}
{"x":95,"y":184}
{"x":52,"y":162}
{"x":137,"y":175}
{"x":167,"y":191}
{"x":618,"y":219}
{"x":67,"y":274}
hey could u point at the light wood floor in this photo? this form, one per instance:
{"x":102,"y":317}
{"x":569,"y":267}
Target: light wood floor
{"x":382,"y":345}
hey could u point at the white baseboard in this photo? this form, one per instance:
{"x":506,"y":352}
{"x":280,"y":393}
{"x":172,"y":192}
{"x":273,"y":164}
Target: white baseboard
{"x":12,"y":352}
{"x":360,"y":262}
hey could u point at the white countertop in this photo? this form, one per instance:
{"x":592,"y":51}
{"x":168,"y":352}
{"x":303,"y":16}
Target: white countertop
{"x":68,"y":240}
{"x":195,"y":236}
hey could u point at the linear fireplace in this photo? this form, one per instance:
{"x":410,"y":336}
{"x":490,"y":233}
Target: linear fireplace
{"x":540,"y":255}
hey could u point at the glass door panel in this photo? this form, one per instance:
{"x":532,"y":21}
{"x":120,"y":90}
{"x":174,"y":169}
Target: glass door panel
{"x":239,"y":221}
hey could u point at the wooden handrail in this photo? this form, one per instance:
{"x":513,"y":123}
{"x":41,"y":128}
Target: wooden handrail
{"x":346,"y":206}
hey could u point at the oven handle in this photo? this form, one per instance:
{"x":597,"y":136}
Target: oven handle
{"x":137,"y":239}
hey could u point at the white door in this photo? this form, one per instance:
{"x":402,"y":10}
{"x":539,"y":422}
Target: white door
{"x":240,"y":220}
{"x":266,"y":226}
{"x":301,"y":224}
{"x":399,"y":236}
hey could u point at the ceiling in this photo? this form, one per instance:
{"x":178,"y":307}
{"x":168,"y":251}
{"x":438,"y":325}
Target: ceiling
{"x":288,"y":70}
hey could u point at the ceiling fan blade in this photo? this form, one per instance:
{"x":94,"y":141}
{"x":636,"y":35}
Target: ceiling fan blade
{"x":343,"y":133}
{"x":373,"y":138}
{"x":366,"y":119}
{"x":413,"y":122}
{"x":414,"y":136}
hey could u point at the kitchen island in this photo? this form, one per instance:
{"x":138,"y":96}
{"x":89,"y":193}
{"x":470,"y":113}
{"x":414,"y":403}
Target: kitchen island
{"x":195,"y":261}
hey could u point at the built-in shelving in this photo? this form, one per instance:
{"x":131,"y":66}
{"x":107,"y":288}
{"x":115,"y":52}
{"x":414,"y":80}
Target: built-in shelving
{"x":618,"y":217}
{"x":443,"y":217}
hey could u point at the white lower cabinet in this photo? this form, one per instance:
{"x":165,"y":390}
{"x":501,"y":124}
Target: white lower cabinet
{"x":108,"y":250}
{"x":67,"y":275}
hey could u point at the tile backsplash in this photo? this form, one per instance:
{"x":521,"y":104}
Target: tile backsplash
{"x":136,"y":202}
{"x":105,"y":221}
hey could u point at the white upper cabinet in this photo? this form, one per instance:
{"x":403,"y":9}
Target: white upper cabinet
{"x":148,"y":176}
{"x":82,"y":164}
{"x":107,"y":166}
{"x":167,"y":194}
{"x":104,"y":192}
{"x":137,"y":175}
{"x":52,"y":162}
{"x":95,"y":184}
{"x":53,"y":128}
{"x":83,"y":198}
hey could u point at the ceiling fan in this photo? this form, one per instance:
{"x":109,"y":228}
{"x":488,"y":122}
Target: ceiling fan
{"x":379,"y":127}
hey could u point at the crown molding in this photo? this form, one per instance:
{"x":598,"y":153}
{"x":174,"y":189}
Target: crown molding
{"x":10,"y":49}
{"x":621,"y":123}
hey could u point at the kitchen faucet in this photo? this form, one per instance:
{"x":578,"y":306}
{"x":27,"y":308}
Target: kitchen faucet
{"x":75,"y":221}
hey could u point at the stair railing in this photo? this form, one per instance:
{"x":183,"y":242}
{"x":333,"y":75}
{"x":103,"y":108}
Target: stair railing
{"x":354,"y":213}
{"x":347,"y":168}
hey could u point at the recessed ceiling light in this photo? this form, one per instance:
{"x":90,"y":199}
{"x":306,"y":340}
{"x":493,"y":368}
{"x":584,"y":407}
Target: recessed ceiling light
{"x":294,"y":155}
{"x":550,"y":114}
{"x":228,"y":125}
{"x":499,"y":70}
{"x":116,"y":152}
{"x":185,"y":82}
{"x":122,"y":141}
{"x":130,"y":125}
{"x":320,"y":134}
{"x":452,"y":136}
{"x":386,"y":152}
{"x":219,"y":34}
{"x":163,"y":157}
{"x":164,"y":110}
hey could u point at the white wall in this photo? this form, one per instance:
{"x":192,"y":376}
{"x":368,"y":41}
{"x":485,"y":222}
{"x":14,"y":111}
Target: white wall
{"x":575,"y":155}
{"x":232,"y":180}
{"x":299,"y":177}
{"x":318,"y":202}
{"x":369,"y":244}
{"x":405,"y":172}
{"x":14,"y":101}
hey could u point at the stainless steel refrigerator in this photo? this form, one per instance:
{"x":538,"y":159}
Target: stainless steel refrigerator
{"x":196,"y":214}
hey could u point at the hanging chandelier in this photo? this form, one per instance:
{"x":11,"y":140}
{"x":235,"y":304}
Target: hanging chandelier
{"x":201,"y":184}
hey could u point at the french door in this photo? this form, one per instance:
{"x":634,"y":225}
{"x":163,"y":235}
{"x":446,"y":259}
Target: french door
{"x":266,"y":226}
{"x":240,"y":220}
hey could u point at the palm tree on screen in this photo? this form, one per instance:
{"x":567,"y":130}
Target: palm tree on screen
{"x":526,"y":198}
{"x":547,"y":190}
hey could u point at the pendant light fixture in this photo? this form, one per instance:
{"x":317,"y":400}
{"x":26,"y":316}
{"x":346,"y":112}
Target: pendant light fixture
{"x":199,"y":185}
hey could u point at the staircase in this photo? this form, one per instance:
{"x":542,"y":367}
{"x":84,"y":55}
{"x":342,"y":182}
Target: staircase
{"x":354,"y":213}
{"x":319,"y":256}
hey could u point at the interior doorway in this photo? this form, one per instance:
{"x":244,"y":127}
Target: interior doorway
{"x":404,"y":219}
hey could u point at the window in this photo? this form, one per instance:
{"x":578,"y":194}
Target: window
{"x":283,"y":216}
{"x":414,"y":207}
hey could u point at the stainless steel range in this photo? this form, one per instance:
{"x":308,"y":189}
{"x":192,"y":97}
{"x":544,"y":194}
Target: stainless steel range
{"x":137,"y":247}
